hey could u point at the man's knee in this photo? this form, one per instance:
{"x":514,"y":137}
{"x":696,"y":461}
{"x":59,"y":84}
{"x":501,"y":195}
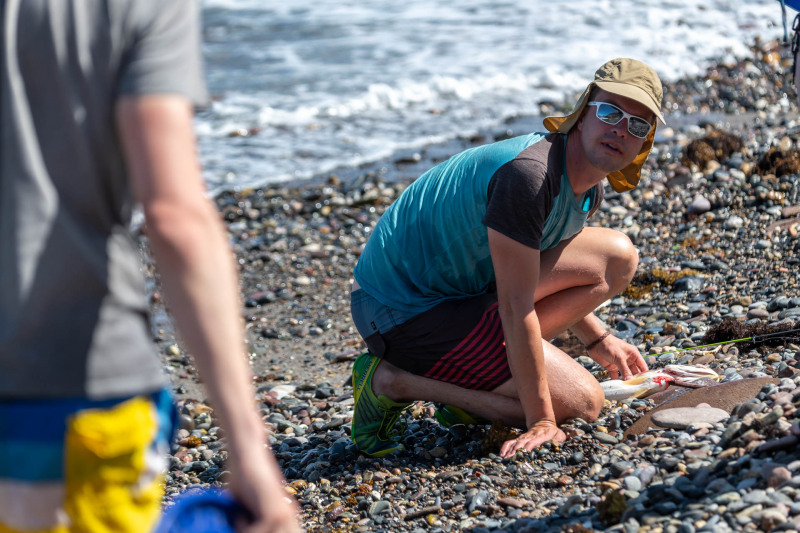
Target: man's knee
{"x":587,"y":404}
{"x":595,"y":400}
{"x":623,"y":260}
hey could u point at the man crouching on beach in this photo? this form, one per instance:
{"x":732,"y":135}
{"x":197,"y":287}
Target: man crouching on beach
{"x":485,"y":256}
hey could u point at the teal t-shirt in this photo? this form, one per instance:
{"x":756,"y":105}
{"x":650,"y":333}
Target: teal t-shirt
{"x":432,"y":243}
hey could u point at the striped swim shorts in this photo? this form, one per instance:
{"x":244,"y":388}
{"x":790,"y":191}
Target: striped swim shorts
{"x":458,"y":341}
{"x":83,"y":465}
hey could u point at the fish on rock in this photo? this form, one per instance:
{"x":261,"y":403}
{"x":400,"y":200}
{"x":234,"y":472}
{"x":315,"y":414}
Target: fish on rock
{"x":652,"y":381}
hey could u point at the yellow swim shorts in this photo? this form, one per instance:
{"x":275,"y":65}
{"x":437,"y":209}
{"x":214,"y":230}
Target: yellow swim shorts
{"x":81,"y":465}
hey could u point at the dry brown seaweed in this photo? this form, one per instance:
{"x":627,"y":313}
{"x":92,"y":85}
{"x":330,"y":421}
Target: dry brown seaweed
{"x":716,"y":146}
{"x":761,"y":334}
{"x":779,"y":163}
{"x":644,"y":282}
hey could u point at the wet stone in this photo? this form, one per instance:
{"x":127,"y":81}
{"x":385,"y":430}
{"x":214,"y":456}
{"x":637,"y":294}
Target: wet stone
{"x":683,"y":417}
{"x":605,"y":438}
{"x":619,"y":468}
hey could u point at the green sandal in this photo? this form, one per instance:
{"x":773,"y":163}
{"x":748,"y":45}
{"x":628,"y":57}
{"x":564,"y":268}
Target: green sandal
{"x":450,"y":415}
{"x":374,"y":417}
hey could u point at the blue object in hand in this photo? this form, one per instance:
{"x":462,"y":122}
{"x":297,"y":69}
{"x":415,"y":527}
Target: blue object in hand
{"x":201,"y":511}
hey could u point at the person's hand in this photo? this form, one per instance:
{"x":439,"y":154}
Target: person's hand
{"x":256,"y":483}
{"x":622,"y":360}
{"x":541,"y":432}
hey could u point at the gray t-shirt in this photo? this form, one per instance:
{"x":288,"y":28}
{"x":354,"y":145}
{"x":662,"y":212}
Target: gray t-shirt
{"x":73,"y":316}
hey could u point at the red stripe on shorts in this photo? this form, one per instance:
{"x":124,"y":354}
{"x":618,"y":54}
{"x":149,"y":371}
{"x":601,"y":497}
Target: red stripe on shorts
{"x":479,"y":361}
{"x":483,"y":355}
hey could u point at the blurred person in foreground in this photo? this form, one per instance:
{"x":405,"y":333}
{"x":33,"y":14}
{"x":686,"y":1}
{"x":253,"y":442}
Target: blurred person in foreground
{"x":485,"y":257}
{"x":96,"y":111}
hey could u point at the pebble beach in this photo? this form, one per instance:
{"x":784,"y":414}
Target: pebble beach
{"x":716,"y":220}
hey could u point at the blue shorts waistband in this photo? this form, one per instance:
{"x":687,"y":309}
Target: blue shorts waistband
{"x":34,"y":430}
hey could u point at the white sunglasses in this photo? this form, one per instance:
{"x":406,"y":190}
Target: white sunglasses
{"x":611,"y":114}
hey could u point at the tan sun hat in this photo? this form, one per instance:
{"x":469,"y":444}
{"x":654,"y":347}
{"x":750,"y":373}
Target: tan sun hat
{"x":629,"y":78}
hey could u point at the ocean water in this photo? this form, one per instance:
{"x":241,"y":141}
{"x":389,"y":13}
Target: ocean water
{"x":304,"y":87}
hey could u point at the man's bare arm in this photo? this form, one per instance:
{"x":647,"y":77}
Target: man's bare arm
{"x":200,"y":283}
{"x":517,"y":273}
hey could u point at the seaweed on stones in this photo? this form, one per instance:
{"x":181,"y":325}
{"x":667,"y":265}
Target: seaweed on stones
{"x":730,"y":329}
{"x":612,"y":507}
{"x":644,"y":282}
{"x":778,"y":163}
{"x":496,"y":436}
{"x":716,"y":146}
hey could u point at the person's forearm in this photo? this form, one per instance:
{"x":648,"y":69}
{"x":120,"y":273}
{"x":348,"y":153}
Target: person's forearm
{"x":527,"y":364}
{"x":199,"y":281}
{"x":190,"y":247}
{"x":199,"y":278}
{"x":588,"y":329}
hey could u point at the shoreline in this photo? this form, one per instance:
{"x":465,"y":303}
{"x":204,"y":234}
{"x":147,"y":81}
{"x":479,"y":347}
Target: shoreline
{"x":405,"y":165}
{"x":297,"y":244}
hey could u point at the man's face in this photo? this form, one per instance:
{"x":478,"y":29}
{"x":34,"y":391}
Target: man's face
{"x":611,"y":147}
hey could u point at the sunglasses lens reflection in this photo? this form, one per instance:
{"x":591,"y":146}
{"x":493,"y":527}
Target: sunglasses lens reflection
{"x":638,"y":127}
{"x":611,"y":114}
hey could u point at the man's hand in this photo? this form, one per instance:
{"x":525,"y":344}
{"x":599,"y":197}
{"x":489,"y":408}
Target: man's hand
{"x":622,"y":360}
{"x":541,"y":432}
{"x":256,"y":485}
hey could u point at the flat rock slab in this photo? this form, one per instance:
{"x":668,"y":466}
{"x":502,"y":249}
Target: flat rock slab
{"x":724,"y":396}
{"x":783,"y":224}
{"x":791,"y":210}
{"x":683,"y":417}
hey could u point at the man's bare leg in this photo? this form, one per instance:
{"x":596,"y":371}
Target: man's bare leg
{"x":576,"y":277}
{"x":581,"y":273}
{"x":574,"y":391}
